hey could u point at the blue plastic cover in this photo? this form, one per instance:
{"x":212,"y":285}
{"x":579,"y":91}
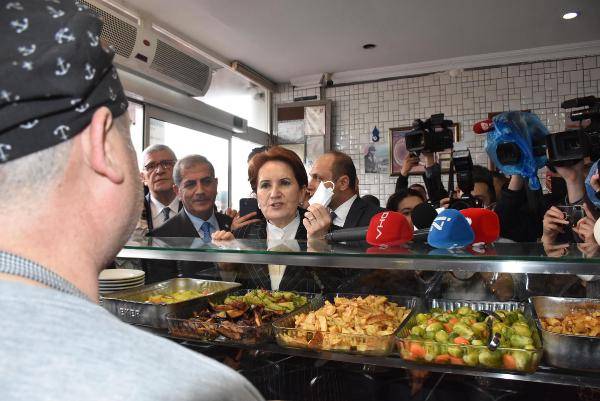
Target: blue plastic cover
{"x":522,"y":129}
{"x":591,"y":192}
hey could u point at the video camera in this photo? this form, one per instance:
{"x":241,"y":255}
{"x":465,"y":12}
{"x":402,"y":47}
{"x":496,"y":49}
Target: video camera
{"x":568,"y":147}
{"x":463,"y":165}
{"x":432,"y":135}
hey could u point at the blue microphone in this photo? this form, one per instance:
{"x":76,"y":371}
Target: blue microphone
{"x":450,"y":229}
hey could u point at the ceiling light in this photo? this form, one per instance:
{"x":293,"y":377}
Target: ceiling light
{"x":369,"y":46}
{"x":570,"y":15}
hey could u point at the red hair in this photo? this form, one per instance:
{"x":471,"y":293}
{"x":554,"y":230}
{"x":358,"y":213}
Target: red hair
{"x":280,"y":154}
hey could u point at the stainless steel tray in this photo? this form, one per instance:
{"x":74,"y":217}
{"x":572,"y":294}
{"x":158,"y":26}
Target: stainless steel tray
{"x":563,"y":350}
{"x":130,"y":307}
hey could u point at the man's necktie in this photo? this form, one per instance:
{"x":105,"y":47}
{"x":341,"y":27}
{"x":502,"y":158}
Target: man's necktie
{"x":333,"y":217}
{"x":205,"y":228}
{"x":166,"y":211}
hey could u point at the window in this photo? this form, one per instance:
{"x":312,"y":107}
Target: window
{"x":236,"y":95}
{"x":240,"y":187}
{"x":185,"y":141}
{"x":136,"y":115}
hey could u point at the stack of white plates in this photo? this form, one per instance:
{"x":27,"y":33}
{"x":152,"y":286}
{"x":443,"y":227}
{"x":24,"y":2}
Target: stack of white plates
{"x":111,"y":280}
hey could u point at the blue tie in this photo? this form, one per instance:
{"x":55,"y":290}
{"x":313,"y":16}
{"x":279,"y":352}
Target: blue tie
{"x":205,"y":228}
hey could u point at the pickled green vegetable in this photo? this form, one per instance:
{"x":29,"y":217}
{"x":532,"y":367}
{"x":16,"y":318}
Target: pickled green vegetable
{"x":441,"y":336}
{"x":460,"y":337}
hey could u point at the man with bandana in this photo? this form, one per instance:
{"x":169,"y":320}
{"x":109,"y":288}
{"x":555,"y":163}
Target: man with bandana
{"x":70,"y":198}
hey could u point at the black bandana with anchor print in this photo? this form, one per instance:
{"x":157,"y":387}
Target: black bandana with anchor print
{"x":55,"y":72}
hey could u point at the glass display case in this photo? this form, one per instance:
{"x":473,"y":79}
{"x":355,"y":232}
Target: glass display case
{"x":439,"y":273}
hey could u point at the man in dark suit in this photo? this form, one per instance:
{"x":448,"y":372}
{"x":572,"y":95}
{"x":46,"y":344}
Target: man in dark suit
{"x":196,"y":186}
{"x":348,"y":209}
{"x":161,"y":202}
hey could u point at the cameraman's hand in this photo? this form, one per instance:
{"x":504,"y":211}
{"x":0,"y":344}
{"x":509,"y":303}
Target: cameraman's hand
{"x":408,"y":164}
{"x":556,"y":250}
{"x":595,"y":182}
{"x":445,"y":203}
{"x":575,"y":180}
{"x":553,"y":224}
{"x":585,"y":227}
{"x":429,"y":159}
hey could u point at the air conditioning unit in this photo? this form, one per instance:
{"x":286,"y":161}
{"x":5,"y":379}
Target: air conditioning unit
{"x":144,"y":48}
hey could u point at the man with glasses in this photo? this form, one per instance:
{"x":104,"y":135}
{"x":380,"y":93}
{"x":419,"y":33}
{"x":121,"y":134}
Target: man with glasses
{"x":348,"y":209}
{"x":161,"y":203}
{"x":196,"y":186}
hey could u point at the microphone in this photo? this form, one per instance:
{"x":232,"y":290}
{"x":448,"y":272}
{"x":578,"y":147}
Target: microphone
{"x":450,"y":229}
{"x":389,"y":229}
{"x":484,"y":126}
{"x":385,"y":229}
{"x":347,"y":234}
{"x":485,"y":224}
{"x":423,"y":215}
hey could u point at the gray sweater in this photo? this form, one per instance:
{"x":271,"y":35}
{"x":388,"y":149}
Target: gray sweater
{"x":56,"y":346}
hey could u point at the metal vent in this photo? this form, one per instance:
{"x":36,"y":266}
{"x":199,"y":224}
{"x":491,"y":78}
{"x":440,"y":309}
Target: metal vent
{"x":178,"y":65}
{"x":118,"y":33}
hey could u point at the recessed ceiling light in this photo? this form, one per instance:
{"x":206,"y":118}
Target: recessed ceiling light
{"x":369,"y":46}
{"x":570,"y":15}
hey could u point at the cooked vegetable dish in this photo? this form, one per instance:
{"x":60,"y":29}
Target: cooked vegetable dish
{"x":178,"y":296}
{"x":240,"y":317}
{"x":461,"y":337}
{"x":580,"y":322}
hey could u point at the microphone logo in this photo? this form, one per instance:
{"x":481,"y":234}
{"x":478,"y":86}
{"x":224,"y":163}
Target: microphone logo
{"x":384,"y":216}
{"x":439,"y":221}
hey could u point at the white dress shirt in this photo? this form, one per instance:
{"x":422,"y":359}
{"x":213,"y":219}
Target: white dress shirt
{"x":156,"y":208}
{"x":342,"y":212}
{"x":276,"y":236}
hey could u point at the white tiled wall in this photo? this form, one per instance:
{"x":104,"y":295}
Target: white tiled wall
{"x":465,"y":99}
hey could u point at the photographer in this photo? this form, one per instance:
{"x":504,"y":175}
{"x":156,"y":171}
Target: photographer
{"x":555,"y":220}
{"x":432,"y":177}
{"x":517,"y":222}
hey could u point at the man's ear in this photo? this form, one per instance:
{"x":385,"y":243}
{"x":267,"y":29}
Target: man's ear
{"x":343,"y":183}
{"x":99,"y":149}
{"x":176,"y":190}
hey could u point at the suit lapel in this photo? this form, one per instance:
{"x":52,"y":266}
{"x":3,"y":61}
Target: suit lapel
{"x":187,"y":228}
{"x":148,"y":212}
{"x":354,"y":214}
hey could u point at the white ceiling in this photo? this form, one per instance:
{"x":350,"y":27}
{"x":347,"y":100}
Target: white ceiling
{"x":285,"y":39}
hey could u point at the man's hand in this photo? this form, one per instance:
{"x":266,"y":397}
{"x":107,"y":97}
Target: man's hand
{"x":239,"y":222}
{"x":317,"y":221}
{"x":445,"y":203}
{"x":556,"y":250}
{"x":230,"y":212}
{"x":222,"y":235}
{"x":408,"y":164}
{"x":575,"y":180}
{"x":553,"y":224}
{"x":585,"y":227}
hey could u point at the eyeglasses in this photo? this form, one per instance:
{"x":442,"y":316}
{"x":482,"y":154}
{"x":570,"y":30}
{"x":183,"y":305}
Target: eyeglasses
{"x":165,"y":164}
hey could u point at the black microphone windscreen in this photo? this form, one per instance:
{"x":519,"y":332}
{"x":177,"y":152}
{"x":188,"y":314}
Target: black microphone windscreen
{"x":423,"y":215}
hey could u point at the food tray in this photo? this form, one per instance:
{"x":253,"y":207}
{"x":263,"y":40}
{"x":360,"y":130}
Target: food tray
{"x":287,"y":334}
{"x":533,"y":356}
{"x":129,"y":305}
{"x":564,"y":350}
{"x":180,"y":326}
